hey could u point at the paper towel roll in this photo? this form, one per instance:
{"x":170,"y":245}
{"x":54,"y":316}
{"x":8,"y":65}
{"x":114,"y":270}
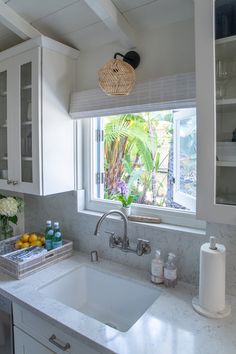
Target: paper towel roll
{"x":212,"y":278}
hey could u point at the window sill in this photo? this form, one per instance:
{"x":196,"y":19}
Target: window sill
{"x":161,"y":226}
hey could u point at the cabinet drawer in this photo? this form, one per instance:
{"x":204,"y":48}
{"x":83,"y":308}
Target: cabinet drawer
{"x":25,"y":344}
{"x":49,"y":335}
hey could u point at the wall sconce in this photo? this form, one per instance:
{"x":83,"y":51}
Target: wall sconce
{"x":117,"y":77}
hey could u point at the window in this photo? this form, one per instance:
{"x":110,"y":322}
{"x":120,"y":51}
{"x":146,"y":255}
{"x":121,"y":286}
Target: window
{"x":154,"y":153}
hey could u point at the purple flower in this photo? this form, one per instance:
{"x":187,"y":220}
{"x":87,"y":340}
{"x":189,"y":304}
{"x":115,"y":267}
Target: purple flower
{"x":122,"y":188}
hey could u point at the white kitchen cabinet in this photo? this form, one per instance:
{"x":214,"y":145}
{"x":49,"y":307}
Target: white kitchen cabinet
{"x":216,"y":111}
{"x":36,"y":133}
{"x":31,"y":328}
{"x":24,"y":344}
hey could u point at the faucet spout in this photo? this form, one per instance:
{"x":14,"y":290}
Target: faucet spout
{"x":100,"y":221}
{"x":122,"y":243}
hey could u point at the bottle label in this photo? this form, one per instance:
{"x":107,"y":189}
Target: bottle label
{"x":48,"y":245}
{"x":156,"y":280}
{"x":57,"y":234}
{"x":57,"y":244}
{"x":170,"y":274}
{"x":157,"y":270}
{"x":50,"y":232}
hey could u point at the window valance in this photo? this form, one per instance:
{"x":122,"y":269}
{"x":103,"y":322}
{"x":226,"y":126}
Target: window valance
{"x":179,"y":90}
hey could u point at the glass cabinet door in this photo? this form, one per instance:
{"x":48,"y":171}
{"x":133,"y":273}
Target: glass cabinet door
{"x":225,"y":91}
{"x":3,"y":126}
{"x":26,"y":122}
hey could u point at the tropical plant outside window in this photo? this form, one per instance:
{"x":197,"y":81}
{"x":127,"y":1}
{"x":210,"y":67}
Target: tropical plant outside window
{"x":154,"y":153}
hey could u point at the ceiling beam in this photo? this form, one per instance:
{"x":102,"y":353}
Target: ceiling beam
{"x":114,"y":20}
{"x":16,"y":23}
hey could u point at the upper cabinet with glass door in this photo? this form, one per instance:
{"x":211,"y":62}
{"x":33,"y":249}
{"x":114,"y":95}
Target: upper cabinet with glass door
{"x":36,"y":132}
{"x":215,"y":32}
{"x":3,"y":127}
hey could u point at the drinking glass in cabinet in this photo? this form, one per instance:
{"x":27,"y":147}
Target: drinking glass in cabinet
{"x":225,"y":90}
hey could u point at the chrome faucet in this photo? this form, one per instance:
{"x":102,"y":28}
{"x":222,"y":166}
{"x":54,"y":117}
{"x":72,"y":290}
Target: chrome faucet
{"x":143,"y":246}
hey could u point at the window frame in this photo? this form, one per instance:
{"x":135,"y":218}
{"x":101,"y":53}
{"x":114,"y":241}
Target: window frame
{"x":179,"y":196}
{"x":168,"y":215}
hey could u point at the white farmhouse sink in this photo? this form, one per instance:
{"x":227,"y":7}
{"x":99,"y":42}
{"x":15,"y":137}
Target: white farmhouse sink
{"x":113,"y":300}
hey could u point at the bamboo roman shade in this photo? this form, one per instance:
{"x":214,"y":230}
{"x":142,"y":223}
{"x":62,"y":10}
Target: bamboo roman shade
{"x":178,"y":90}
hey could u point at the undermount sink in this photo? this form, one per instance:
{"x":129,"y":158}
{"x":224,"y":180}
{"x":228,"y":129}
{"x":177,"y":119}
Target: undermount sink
{"x":110,"y":299}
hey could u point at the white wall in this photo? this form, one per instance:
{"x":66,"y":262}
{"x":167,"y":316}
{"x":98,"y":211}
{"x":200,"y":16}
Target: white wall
{"x":166,"y":51}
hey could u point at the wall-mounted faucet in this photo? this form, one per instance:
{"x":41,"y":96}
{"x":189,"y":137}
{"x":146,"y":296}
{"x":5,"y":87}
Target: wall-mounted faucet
{"x":143,"y":246}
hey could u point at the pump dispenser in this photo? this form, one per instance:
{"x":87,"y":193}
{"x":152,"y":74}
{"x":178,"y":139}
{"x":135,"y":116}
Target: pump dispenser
{"x":170,"y":271}
{"x":157,"y":268}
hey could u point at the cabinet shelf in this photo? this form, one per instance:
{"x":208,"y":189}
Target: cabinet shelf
{"x":26,"y":87}
{"x":226,"y":163}
{"x":226,"y":47}
{"x":227,"y":104}
{"x":5,"y":158}
{"x":26,"y":158}
{"x":28,"y":122}
{"x":3,"y":93}
{"x":231,"y":39}
{"x":3,"y":126}
{"x":226,"y":199}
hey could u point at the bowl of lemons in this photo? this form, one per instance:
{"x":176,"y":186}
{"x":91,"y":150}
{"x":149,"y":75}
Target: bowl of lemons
{"x":30,"y":239}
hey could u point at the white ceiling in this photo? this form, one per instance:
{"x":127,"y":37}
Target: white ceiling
{"x":74,"y":23}
{"x":7,"y":38}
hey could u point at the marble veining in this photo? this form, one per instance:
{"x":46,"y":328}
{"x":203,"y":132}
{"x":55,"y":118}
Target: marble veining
{"x":80,"y":227}
{"x":169,"y":326}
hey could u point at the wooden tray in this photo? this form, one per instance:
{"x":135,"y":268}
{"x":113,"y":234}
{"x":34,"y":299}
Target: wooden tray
{"x":146,"y":219}
{"x":23,"y":269}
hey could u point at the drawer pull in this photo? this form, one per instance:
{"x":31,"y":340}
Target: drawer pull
{"x":53,"y":340}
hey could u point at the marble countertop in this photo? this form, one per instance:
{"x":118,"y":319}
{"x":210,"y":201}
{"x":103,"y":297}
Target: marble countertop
{"x":169,"y":326}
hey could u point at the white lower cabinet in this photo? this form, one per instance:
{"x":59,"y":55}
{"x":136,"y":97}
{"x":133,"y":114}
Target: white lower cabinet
{"x":35,"y":335}
{"x":25,"y":344}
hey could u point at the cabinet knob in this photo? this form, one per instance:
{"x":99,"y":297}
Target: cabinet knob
{"x":14,"y":183}
{"x":9,"y":181}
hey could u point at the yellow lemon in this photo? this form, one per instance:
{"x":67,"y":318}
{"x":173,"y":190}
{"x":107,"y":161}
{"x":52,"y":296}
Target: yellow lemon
{"x":42,"y":239}
{"x":24,"y":238}
{"x":18,"y":244}
{"x":25,"y":245}
{"x":33,"y":238}
{"x":36,"y":243}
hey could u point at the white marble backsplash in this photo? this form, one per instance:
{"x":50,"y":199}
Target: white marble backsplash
{"x":80,"y":227}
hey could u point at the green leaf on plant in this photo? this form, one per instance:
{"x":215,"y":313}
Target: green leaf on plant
{"x":13,"y":219}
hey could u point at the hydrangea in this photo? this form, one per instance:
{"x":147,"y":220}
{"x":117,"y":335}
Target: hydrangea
{"x":122,"y":188}
{"x":8,"y":206}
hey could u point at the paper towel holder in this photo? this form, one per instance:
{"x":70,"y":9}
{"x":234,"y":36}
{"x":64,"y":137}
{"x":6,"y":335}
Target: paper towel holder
{"x":220,"y":314}
{"x":215,"y":248}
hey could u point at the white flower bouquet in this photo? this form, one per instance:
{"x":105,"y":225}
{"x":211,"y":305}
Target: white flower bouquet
{"x":9,"y":208}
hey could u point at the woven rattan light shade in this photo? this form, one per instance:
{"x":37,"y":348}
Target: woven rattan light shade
{"x":116,"y":78}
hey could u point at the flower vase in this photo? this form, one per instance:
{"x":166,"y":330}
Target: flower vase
{"x":126,"y":210}
{"x":6,"y":230}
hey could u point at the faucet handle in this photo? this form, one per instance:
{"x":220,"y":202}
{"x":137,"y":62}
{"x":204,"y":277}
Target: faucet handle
{"x":143,"y":247}
{"x":114,"y":240}
{"x":110,"y":233}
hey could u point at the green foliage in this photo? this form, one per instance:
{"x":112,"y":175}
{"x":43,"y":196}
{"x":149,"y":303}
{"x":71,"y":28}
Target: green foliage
{"x":126,"y":201}
{"x":13,"y":219}
{"x":132,"y":146}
